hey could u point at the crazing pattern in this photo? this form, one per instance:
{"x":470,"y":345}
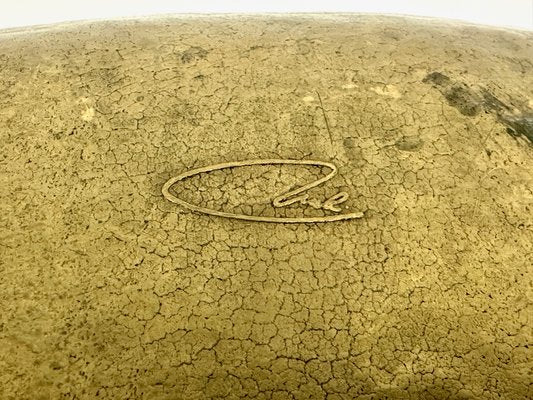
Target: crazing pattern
{"x":110,"y":291}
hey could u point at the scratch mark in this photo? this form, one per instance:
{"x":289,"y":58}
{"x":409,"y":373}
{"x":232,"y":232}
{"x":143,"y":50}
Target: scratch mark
{"x":325,"y":118}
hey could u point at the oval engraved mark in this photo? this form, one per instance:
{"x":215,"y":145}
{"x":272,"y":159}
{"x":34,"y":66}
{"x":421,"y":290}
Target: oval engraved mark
{"x":285,"y":199}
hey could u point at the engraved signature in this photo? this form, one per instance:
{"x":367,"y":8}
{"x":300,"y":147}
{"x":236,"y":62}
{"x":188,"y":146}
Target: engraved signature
{"x":285,"y":199}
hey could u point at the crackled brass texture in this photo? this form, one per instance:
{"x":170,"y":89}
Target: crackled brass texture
{"x":419,"y":129}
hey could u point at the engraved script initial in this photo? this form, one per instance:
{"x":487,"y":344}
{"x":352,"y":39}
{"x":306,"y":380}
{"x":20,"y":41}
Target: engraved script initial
{"x":288,"y":198}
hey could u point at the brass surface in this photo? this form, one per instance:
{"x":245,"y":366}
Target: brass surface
{"x":126,"y":145}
